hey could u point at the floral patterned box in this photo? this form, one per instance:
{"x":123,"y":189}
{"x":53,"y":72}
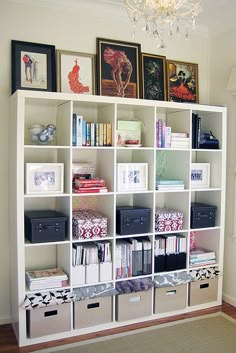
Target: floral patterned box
{"x":167,"y":220}
{"x":88,"y":224}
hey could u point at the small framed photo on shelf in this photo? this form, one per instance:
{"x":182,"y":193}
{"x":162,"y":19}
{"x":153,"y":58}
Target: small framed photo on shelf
{"x":200,"y":175}
{"x":153,"y":76}
{"x":44,"y":178}
{"x":33,"y":66}
{"x":132,"y":177}
{"x":182,"y":82}
{"x":118,"y":68}
{"x":75,"y":72}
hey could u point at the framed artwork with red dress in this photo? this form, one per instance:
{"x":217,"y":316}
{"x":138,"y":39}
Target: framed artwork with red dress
{"x":75,"y":72}
{"x":118,"y":68}
{"x":182,"y":81}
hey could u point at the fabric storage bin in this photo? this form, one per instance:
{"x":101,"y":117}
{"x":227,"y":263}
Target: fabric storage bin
{"x":167,"y":220}
{"x":88,"y":224}
{"x":132,"y":220}
{"x":45,"y":226}
{"x":48,"y":320}
{"x":170,"y":298}
{"x":202,"y":215}
{"x":204,"y":291}
{"x":133,"y":305}
{"x":91,"y":312}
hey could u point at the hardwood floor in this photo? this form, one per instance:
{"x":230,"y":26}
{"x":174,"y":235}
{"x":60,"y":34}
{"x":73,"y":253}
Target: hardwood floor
{"x":8,"y":343}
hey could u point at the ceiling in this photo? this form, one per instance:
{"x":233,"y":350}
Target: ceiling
{"x":216,"y":17}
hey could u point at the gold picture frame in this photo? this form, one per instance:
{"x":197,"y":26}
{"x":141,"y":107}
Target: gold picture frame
{"x":75,"y":72}
{"x":182,"y":81}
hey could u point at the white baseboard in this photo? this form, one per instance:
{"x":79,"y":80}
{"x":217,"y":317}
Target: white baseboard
{"x":5,"y":320}
{"x":229,"y":299}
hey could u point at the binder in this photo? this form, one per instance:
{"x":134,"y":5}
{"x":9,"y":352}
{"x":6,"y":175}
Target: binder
{"x":147,"y":262}
{"x":137,"y":263}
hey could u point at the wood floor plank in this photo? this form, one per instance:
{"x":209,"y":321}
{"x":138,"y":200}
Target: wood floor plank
{"x":8,"y":343}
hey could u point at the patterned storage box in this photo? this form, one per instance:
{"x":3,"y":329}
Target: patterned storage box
{"x":88,"y":224}
{"x":168,"y":220}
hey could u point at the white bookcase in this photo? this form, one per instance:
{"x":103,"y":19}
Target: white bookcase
{"x":31,"y":107}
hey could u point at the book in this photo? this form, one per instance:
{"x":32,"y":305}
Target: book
{"x":90,"y":190}
{"x":46,"y":274}
{"x":167,"y":181}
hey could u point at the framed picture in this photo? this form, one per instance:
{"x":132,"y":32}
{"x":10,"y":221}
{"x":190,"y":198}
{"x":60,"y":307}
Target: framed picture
{"x":44,"y":178}
{"x":182,"y":81}
{"x":153,"y":76}
{"x":75,"y":72}
{"x":132,"y":176}
{"x":118,"y":68}
{"x":33,"y":66}
{"x":200,"y":175}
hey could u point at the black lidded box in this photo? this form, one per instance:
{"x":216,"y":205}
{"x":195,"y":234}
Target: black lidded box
{"x":202,"y":215}
{"x":45,"y":226}
{"x":132,"y":220}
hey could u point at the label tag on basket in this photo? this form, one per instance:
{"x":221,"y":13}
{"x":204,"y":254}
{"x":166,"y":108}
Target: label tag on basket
{"x":135,"y":299}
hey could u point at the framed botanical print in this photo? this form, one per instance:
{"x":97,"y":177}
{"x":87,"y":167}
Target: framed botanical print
{"x":118,"y":68}
{"x":182,"y":81}
{"x":33,"y":66}
{"x":153,"y":76}
{"x":75,"y":72}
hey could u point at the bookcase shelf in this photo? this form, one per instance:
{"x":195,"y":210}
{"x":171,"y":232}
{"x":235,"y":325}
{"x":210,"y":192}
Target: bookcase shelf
{"x":32,"y":107}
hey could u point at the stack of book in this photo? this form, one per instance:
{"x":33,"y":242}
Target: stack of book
{"x":44,"y":279}
{"x":202,"y":257}
{"x":84,"y":186}
{"x":180,"y":140}
{"x":169,"y":184}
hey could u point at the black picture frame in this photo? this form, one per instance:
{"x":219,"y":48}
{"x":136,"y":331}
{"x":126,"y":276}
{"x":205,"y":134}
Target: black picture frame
{"x":118,"y":59}
{"x":33,"y":66}
{"x":153,"y":76}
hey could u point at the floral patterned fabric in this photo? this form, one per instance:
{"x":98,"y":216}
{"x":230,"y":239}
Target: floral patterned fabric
{"x":167,"y":220}
{"x":172,"y":279}
{"x":100,"y":290}
{"x":42,"y":299}
{"x":204,"y":273}
{"x":132,"y":286}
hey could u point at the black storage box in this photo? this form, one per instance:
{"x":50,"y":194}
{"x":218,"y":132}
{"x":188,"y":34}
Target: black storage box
{"x":45,"y":226}
{"x":202,"y":215}
{"x":132,"y":220}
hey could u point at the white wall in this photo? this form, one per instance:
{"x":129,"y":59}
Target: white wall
{"x":75,"y":31}
{"x":222,"y":60}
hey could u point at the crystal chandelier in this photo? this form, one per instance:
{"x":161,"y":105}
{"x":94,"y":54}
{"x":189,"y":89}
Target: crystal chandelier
{"x":162,"y":18}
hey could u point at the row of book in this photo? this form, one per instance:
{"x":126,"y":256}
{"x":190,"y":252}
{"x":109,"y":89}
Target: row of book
{"x":201,"y":257}
{"x":169,"y":244}
{"x":87,"y":133}
{"x":133,"y":258}
{"x":165,"y":138}
{"x":91,"y":253}
{"x":45,"y":279}
{"x":164,"y":184}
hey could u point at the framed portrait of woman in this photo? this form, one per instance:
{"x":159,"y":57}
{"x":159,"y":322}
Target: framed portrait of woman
{"x":182,"y":81}
{"x":118,"y":68}
{"x":75,"y":72}
{"x":153,"y":76}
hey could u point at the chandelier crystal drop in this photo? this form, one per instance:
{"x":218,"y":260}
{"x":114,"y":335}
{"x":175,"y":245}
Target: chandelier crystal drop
{"x":163,"y":18}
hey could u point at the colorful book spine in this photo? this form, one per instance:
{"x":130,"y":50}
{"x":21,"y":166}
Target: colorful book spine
{"x":74,"y":130}
{"x":79,"y":130}
{"x":109,"y":134}
{"x":84,"y":132}
{"x":93,"y":136}
{"x":88,"y":134}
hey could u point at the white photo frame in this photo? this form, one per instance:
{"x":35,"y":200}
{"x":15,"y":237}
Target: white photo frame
{"x":44,"y":178}
{"x":132,"y":177}
{"x":200,"y":175}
